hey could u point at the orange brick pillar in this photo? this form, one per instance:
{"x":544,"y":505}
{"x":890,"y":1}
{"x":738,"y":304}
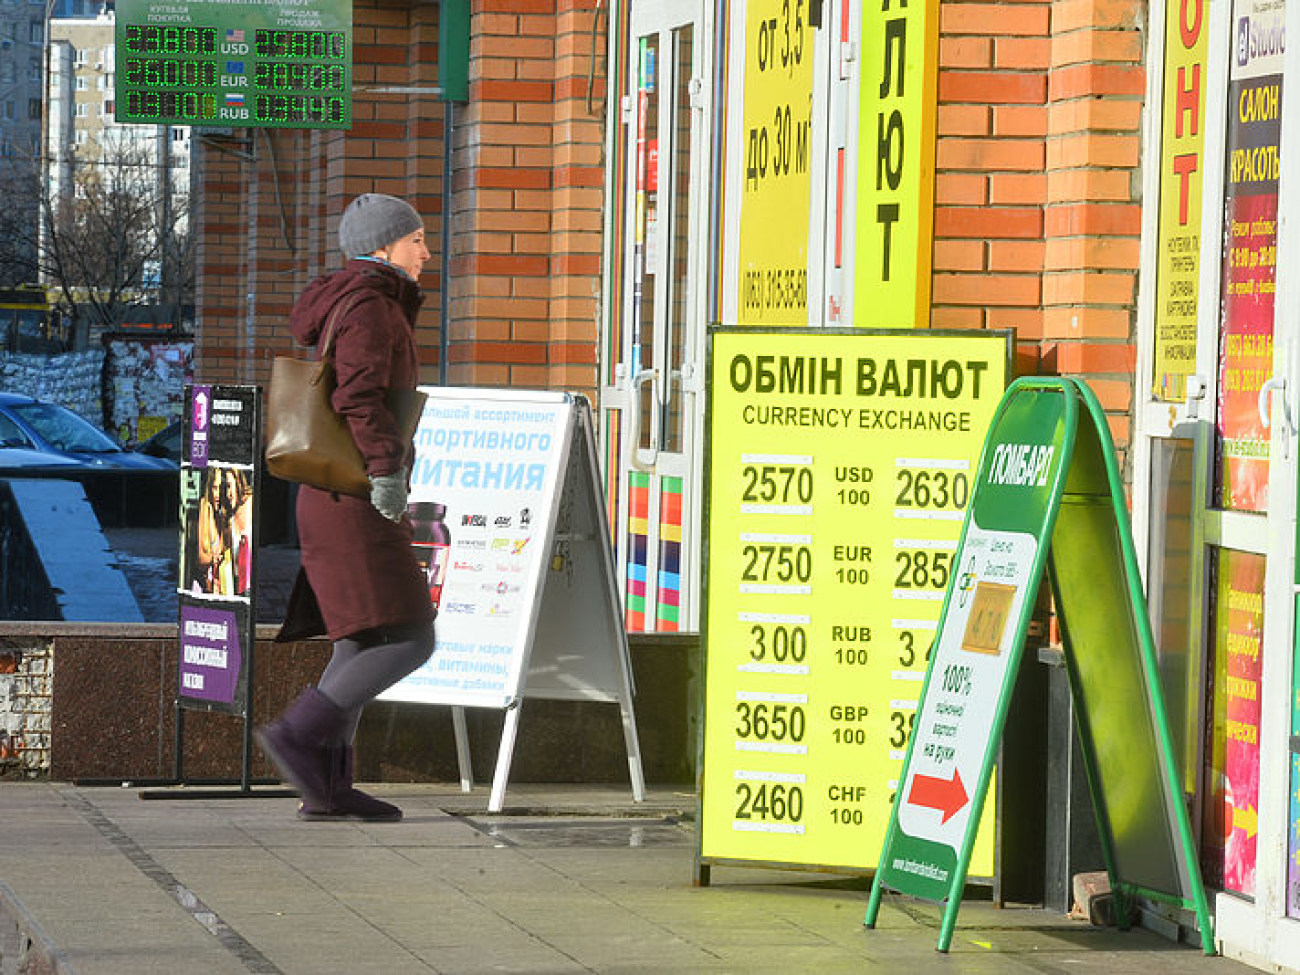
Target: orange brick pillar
{"x":395,"y":145}
{"x":1093,"y":218}
{"x":526,"y":220}
{"x":1037,"y":209}
{"x":578,"y":198}
{"x":990,"y":186}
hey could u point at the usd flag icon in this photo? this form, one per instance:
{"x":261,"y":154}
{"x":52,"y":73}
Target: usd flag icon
{"x":234,"y":35}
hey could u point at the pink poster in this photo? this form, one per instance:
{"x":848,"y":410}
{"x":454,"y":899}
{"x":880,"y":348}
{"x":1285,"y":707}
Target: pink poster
{"x":1238,"y":645}
{"x":1246,"y":349}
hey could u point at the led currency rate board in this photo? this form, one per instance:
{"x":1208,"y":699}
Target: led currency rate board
{"x":280,"y":64}
{"x":840,"y":467}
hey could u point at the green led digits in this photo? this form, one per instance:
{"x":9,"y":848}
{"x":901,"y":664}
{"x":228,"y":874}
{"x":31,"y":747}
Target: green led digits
{"x":291,"y":109}
{"x":186,"y":106}
{"x":162,"y":73}
{"x":151,"y":39}
{"x":234,"y":63}
{"x":293,"y":76}
{"x":299,"y":43}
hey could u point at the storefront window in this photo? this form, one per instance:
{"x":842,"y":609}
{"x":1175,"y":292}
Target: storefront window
{"x":679,"y":260}
{"x":647,"y":224}
{"x":1170,"y":577}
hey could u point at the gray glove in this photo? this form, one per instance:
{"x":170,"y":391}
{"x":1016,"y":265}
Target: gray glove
{"x":388,"y":494}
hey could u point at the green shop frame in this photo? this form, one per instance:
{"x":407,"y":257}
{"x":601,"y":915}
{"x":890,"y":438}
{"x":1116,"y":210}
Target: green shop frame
{"x":1048,"y":494}
{"x":234,"y":65}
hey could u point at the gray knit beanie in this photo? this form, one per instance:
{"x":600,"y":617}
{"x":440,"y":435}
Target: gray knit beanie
{"x":373,"y":221}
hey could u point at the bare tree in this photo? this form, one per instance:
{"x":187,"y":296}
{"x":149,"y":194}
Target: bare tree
{"x":19,"y":219}
{"x":108,"y":236}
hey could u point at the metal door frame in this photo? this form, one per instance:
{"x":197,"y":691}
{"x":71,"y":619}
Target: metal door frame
{"x":621,"y":394}
{"x":1256,"y":925}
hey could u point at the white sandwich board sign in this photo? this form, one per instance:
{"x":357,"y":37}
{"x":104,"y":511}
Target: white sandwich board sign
{"x":504,"y":495}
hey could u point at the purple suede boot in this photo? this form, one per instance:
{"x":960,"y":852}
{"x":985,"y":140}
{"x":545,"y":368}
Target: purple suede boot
{"x":298,"y":742}
{"x":346,"y":802}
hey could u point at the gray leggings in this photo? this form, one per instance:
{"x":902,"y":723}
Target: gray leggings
{"x":367,"y":663}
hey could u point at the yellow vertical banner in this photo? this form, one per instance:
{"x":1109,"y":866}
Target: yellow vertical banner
{"x":895,"y":202}
{"x":1179,"y":232}
{"x":778,"y":83}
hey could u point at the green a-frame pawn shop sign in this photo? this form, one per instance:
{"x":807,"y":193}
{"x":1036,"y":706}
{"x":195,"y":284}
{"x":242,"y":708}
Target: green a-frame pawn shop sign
{"x":1048,"y":493}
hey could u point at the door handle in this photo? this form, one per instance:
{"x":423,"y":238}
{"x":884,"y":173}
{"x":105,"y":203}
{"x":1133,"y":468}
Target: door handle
{"x":1274,"y":383}
{"x":638,"y":459}
{"x":1278,"y":384}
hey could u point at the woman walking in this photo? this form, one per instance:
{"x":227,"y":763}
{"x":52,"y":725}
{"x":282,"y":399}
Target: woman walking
{"x":357,"y":560}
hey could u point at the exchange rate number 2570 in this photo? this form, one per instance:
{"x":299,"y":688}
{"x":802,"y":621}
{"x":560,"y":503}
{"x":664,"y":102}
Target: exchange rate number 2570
{"x":777,"y":483}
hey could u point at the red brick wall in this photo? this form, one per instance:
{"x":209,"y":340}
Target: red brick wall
{"x":271,"y":199}
{"x":1037,"y":188}
{"x":526,"y":228}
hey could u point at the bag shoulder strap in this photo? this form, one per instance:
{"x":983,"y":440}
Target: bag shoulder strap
{"x":326,"y":343}
{"x":338,"y":311}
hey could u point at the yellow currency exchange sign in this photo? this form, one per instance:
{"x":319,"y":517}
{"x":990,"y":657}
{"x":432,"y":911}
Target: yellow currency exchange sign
{"x":840,"y":468}
{"x":778,"y":83}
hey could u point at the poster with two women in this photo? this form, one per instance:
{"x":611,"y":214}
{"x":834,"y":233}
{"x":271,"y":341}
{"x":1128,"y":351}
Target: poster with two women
{"x":215,"y":571}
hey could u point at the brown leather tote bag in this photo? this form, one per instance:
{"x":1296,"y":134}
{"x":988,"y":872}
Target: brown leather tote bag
{"x":306,"y":441}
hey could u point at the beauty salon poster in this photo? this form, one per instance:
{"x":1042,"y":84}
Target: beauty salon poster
{"x":1252,"y":171}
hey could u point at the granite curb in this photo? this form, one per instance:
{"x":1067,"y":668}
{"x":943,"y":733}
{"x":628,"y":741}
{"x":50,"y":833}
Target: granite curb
{"x":25,"y":948}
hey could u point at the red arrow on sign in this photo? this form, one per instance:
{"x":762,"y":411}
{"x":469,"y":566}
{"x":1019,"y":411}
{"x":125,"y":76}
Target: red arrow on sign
{"x":946,"y":795}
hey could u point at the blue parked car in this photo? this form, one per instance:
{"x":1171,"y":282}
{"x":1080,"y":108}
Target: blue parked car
{"x":31,"y":428}
{"x":32,"y":462}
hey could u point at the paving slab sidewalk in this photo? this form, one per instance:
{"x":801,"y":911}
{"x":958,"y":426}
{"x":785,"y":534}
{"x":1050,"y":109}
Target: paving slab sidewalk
{"x":98,"y":881}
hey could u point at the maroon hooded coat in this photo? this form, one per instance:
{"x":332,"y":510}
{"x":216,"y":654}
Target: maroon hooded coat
{"x":359,"y":564}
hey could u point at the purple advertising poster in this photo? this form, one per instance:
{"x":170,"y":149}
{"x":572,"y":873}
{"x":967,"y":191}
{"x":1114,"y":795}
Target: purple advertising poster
{"x":210,"y":655}
{"x":217,"y":564}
